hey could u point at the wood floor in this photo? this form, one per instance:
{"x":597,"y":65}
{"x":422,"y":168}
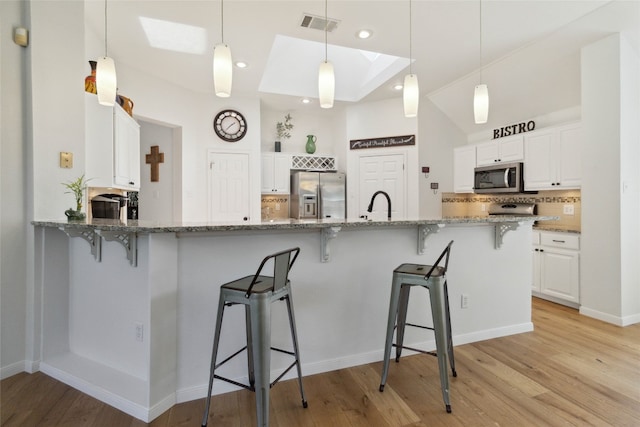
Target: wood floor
{"x":572,"y":370}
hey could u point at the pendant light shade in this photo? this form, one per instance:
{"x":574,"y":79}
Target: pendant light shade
{"x":222,"y":70}
{"x":106,"y":81}
{"x":481,"y":104}
{"x":326,"y":84}
{"x":411,"y":95}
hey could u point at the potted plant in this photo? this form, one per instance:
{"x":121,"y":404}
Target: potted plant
{"x":76,"y":187}
{"x":283,"y":130}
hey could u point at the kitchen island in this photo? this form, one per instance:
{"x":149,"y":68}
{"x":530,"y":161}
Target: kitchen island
{"x":127,"y":310}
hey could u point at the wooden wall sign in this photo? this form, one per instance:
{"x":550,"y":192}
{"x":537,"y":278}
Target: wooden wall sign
{"x":154,"y":159}
{"x":388,"y":141}
{"x":514,"y":129}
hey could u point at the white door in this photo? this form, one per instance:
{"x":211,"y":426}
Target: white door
{"x":386,"y":173}
{"x":228,"y":187}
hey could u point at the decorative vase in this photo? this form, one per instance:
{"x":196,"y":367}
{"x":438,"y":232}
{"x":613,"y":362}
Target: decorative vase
{"x":277,"y":146}
{"x":90,"y":80}
{"x":311,"y":144}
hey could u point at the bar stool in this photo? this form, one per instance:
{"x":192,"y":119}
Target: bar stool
{"x":435,"y":281}
{"x":256,"y":293}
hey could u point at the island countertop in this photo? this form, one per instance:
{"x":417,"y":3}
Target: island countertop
{"x":140,"y":226}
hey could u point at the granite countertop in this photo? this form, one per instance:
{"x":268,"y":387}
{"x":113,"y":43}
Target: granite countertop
{"x":286,"y":224}
{"x":554,"y":228}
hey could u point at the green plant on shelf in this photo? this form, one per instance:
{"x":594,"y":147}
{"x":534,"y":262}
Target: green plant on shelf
{"x":77,"y":188}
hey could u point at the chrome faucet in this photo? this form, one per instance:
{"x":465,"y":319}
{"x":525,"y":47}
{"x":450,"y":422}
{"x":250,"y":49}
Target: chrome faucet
{"x":370,"y":208}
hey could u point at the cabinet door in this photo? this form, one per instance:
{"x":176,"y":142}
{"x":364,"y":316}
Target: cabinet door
{"x":281,"y":173}
{"x":126,"y":170}
{"x":267,"y":173}
{"x":560,"y":273}
{"x":570,"y":156}
{"x":539,"y":168}
{"x":511,"y":149}
{"x":464,"y":161}
{"x":487,"y":153}
{"x":535,"y":254}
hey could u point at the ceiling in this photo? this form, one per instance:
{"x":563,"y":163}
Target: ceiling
{"x":530,"y":49}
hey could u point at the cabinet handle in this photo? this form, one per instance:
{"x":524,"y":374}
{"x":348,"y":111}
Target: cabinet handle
{"x":132,"y":183}
{"x":541,"y":250}
{"x":558,"y":241}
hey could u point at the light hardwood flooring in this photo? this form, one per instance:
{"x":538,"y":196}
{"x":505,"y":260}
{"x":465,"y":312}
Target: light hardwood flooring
{"x":572,"y":370}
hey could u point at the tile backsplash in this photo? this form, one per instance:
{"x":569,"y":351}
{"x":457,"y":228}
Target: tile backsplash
{"x":547,"y":202}
{"x":275,"y":206}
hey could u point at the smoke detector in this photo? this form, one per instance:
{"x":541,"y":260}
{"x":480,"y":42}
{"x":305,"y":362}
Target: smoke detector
{"x":319,"y":23}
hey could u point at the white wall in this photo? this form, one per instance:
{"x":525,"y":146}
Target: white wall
{"x":13,"y":215}
{"x":610,"y":184}
{"x":375,"y":120}
{"x":438,"y":137}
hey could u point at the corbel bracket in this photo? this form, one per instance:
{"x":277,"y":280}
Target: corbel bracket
{"x":423,"y":232}
{"x":326,"y":236}
{"x":501,"y":230}
{"x":128,"y":240}
{"x":90,"y":236}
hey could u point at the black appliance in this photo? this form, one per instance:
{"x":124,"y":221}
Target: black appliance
{"x":110,"y":206}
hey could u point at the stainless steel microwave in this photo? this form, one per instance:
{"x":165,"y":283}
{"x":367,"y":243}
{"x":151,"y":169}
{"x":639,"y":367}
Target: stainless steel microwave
{"x":499,"y":178}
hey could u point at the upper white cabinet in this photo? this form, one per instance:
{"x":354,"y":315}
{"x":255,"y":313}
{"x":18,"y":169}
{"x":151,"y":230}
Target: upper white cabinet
{"x":112,"y":147}
{"x":504,"y":150}
{"x":553,"y":158}
{"x":276,"y":170}
{"x":464,"y":162}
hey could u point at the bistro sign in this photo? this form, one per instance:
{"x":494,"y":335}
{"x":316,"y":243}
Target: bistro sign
{"x":389,"y":141}
{"x":514,"y":129}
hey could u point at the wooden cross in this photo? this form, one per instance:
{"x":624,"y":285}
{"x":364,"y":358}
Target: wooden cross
{"x":154,"y":159}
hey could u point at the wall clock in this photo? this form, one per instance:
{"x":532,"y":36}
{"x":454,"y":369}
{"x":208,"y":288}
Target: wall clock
{"x":230,"y":125}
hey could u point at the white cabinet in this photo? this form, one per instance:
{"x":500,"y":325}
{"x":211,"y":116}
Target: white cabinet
{"x":112,"y":146}
{"x":276,"y":170}
{"x":556,"y":267}
{"x":553,"y":158}
{"x":504,"y":150}
{"x":464,"y":161}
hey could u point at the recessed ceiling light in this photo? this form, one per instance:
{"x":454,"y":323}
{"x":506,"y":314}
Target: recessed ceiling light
{"x":364,"y":34}
{"x":305,"y":100}
{"x":397,"y":86}
{"x":241,"y":64}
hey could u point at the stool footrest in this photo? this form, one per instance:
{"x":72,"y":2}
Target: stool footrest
{"x":230,"y":381}
{"x":420,"y":326}
{"x":431,"y":353}
{"x":231,"y":357}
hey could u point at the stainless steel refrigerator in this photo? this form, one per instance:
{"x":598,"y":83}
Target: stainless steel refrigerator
{"x":318,"y":195}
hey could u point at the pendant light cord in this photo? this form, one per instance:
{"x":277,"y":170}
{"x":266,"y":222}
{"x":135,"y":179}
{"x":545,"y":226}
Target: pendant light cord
{"x":480,"y":15}
{"x":410,"y":41}
{"x":326,"y":24}
{"x":105,"y":28}
{"x":222,"y":20}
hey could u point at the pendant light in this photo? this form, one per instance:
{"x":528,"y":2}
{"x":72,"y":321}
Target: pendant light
{"x":411,"y":91}
{"x":326,"y":77}
{"x":106,"y":82}
{"x":481,"y":93}
{"x":222,"y":63}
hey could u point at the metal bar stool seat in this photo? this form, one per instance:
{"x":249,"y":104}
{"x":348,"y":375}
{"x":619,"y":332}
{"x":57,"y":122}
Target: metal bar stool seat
{"x":433,"y":278}
{"x":257,"y":293}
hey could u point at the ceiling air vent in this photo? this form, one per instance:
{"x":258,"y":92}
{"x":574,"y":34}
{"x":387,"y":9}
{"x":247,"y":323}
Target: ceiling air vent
{"x":319,"y":23}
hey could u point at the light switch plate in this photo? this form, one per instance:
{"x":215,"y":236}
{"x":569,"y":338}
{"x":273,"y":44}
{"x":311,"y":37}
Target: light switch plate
{"x":568,"y":210}
{"x":66,"y":160}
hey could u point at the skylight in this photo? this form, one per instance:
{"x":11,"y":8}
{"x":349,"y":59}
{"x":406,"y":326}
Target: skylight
{"x":173,"y":36}
{"x":292,"y":69}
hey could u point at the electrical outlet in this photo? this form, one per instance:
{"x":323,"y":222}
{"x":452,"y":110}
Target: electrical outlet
{"x":464,"y":301}
{"x":139,"y":332}
{"x":483,"y":207}
{"x":568,"y":210}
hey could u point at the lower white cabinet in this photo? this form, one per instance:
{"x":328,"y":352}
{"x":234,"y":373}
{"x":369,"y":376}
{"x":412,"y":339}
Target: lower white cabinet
{"x":556,"y":267}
